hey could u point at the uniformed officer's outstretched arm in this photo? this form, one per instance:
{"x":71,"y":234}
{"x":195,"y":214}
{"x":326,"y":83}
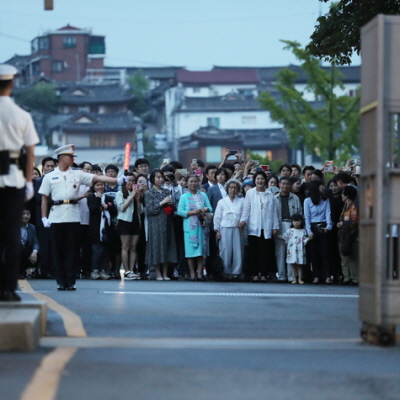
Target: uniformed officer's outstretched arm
{"x":109,"y":179}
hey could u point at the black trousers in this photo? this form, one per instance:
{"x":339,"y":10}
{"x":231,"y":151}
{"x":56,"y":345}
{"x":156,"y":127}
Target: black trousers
{"x":11,"y":206}
{"x":319,"y":254}
{"x":84,"y":252}
{"x":261,"y":253}
{"x":65,"y":241}
{"x":45,"y":259}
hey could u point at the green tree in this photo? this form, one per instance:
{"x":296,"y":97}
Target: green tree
{"x":139,"y":87}
{"x":273,"y":165}
{"x":42,"y":99}
{"x":337,"y":33}
{"x":328,"y":127}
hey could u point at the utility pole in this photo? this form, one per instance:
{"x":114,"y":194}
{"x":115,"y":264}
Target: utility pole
{"x":139,"y":140}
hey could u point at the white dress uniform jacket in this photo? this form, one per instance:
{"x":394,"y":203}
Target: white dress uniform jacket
{"x":64,"y":186}
{"x":17,"y":130}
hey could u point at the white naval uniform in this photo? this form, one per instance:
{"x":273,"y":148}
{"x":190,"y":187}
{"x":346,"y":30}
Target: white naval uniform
{"x":64,"y":186}
{"x":65,"y":221}
{"x":16,"y":130}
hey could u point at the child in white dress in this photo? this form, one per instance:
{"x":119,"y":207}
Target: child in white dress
{"x":296,"y":238}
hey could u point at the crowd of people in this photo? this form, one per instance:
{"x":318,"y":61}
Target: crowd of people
{"x":235,"y":221}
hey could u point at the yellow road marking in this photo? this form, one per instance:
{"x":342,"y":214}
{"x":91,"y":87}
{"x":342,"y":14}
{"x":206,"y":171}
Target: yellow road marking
{"x":72,"y":322}
{"x":44,"y":384}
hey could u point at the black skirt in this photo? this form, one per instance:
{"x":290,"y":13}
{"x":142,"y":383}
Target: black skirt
{"x":128,"y":228}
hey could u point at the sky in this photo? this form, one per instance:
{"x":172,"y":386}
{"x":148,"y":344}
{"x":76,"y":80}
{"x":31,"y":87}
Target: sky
{"x":195,"y":34}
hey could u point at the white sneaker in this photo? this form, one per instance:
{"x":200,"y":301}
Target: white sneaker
{"x":95,"y":274}
{"x":104,"y":275}
{"x":131,"y":276}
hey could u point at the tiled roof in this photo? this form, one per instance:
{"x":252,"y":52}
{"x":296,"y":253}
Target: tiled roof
{"x":352,"y":74}
{"x":156,"y":73}
{"x":249,"y":138}
{"x":68,"y":27}
{"x":111,"y":122}
{"x":228,"y":76}
{"x":232,"y":102}
{"x":95,"y":94}
{"x":18,"y":61}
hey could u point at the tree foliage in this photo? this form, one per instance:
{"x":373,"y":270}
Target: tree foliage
{"x":328,"y":127}
{"x":43,"y":100}
{"x":41,"y":97}
{"x":337,"y":33}
{"x":274,"y":165}
{"x":139,"y":87}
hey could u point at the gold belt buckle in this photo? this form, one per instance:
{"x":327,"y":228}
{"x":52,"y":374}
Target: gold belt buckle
{"x":66,"y":201}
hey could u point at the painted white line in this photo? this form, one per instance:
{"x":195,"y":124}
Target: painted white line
{"x":205,"y":343}
{"x":230,"y":294}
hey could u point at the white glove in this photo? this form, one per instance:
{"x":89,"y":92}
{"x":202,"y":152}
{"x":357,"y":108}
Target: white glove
{"x":46,"y":222}
{"x":123,"y":179}
{"x":29,"y":191}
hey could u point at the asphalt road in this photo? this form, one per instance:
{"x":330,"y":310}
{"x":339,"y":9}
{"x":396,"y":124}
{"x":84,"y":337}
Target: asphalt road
{"x":184,"y":340}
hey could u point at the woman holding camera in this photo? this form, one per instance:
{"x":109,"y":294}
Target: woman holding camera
{"x":129,"y":210}
{"x":317,"y":213}
{"x":160,"y":248}
{"x":192,"y":207}
{"x":226,"y":226}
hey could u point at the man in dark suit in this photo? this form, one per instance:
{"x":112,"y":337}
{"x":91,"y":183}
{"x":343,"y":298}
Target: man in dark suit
{"x":29,"y":245}
{"x":215,"y":194}
{"x":209,"y":174}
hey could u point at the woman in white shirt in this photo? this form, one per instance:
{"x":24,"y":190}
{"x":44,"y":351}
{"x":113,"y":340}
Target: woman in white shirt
{"x":261,"y":217}
{"x":226,"y":226}
{"x":129,"y":210}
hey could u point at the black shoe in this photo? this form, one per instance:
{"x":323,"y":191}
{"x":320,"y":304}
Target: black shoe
{"x":62,"y":287}
{"x":71,"y":288}
{"x":9,"y":295}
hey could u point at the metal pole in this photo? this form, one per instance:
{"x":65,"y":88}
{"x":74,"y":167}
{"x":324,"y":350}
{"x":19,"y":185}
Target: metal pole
{"x":139,"y":140}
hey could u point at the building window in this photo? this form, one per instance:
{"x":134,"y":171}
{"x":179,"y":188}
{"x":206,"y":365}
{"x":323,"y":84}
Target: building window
{"x":103,"y":140}
{"x":97,"y":45}
{"x":57,"y":66}
{"x":69,"y":41}
{"x":196,"y":90}
{"x":249,"y":120}
{"x":44,"y":43}
{"x":213,"y":154}
{"x":213,"y":121}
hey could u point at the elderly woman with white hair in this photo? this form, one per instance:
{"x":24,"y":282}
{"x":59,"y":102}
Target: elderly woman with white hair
{"x":226,"y":226}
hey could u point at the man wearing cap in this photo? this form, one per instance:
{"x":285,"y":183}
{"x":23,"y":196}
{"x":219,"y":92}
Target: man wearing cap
{"x":17,"y":131}
{"x":63,"y":185}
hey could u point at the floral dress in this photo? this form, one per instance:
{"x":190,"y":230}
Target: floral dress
{"x":160,"y":247}
{"x":296,"y":240}
{"x":195,"y":235}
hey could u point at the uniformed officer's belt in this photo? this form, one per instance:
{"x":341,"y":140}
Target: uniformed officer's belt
{"x":59,"y":202}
